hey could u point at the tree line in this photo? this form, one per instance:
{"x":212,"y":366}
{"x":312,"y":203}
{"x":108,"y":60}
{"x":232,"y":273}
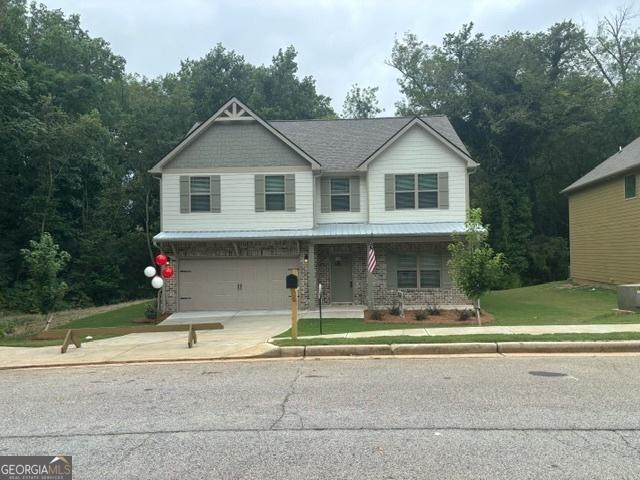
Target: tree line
{"x":78,"y":134}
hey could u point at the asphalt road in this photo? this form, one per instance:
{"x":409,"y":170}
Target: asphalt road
{"x":493,"y":418}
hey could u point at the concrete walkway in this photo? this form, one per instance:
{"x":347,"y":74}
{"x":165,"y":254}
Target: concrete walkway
{"x":490,"y":330}
{"x":244,"y":336}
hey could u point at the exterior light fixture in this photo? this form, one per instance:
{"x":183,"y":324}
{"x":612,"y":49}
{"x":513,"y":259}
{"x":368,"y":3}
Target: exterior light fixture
{"x":306,"y":258}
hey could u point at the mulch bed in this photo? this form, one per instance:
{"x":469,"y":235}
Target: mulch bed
{"x":445,"y":316}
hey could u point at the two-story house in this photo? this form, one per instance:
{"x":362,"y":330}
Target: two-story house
{"x":604,"y":220}
{"x":244,"y":199}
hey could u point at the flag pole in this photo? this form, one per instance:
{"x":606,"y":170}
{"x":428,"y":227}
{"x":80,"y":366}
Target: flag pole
{"x":370,"y":304}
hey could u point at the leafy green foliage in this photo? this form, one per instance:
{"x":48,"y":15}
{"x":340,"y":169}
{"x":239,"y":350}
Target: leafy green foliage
{"x":536,"y":111}
{"x":78,"y":136}
{"x":44,"y":261}
{"x":361,"y":102}
{"x":474,"y":266}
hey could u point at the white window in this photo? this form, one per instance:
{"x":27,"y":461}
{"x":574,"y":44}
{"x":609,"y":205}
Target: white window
{"x":405,"y":191}
{"x":418,"y":271}
{"x":340,"y":195}
{"x":428,"y":190}
{"x":200,"y":193}
{"x":274,"y":192}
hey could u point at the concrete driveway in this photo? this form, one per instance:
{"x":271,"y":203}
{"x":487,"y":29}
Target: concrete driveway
{"x":249,"y":327}
{"x":244,"y":334}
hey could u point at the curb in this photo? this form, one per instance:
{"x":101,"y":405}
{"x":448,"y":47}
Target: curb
{"x":382,"y":350}
{"x":623,"y":346}
{"x":614,"y":346}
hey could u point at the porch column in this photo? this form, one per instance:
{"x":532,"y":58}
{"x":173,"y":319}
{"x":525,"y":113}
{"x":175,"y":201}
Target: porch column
{"x":311,"y":276}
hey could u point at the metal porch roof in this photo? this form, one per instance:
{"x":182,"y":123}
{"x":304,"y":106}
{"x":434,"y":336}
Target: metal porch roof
{"x":327,"y":230}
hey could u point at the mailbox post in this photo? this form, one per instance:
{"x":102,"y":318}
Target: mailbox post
{"x":292,"y":285}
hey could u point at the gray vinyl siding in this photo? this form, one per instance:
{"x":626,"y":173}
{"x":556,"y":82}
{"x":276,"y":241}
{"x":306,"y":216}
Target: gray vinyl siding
{"x":237,"y":144}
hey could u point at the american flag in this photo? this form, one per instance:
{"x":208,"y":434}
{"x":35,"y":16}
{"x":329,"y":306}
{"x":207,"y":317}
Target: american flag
{"x":371,"y":259}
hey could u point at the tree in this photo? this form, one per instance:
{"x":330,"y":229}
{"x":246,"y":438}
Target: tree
{"x":615,"y":48}
{"x":532,"y":112}
{"x":361,"y":102}
{"x":78,"y":137}
{"x":474,"y":266}
{"x":45,"y":260}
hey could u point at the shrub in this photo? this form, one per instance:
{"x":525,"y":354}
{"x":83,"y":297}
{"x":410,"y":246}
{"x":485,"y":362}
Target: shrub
{"x":9,"y":328}
{"x":395,"y":310}
{"x":548,"y":259}
{"x":422,"y":315}
{"x":433,"y":310}
{"x":151,"y":311}
{"x":376,"y":314}
{"x":464,"y":314}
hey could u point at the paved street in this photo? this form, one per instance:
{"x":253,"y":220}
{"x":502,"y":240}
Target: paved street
{"x":437,"y":418}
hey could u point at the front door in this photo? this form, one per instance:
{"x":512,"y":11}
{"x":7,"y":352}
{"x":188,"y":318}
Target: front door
{"x":341,"y":284}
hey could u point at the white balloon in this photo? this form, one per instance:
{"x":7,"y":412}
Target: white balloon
{"x":150,"y":272}
{"x":157,"y":282}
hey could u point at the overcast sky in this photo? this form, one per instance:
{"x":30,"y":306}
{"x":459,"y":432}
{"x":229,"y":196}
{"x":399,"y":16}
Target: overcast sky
{"x":339,"y":42}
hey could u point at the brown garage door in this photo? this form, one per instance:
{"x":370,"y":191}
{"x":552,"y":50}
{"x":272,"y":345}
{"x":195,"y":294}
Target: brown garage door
{"x":233,"y":283}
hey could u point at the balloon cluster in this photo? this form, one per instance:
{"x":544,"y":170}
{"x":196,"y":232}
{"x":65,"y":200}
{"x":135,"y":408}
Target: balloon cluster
{"x":166,"y":271}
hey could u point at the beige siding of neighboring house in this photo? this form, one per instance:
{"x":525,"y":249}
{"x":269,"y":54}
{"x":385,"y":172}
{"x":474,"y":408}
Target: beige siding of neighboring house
{"x":417,"y":151}
{"x":605,"y":234}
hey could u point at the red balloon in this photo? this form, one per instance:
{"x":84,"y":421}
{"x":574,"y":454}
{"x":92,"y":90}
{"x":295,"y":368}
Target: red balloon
{"x":161,"y":259}
{"x":167,"y":272}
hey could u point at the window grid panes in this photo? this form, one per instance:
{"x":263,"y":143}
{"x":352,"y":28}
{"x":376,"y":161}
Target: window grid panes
{"x":200,"y":189}
{"x":405,"y":191}
{"x":407,"y":274}
{"x":274,"y":192}
{"x":428,"y":190}
{"x":418,"y":271}
{"x":630,"y":186}
{"x":340,"y":195}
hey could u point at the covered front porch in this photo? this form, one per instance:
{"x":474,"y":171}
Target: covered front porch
{"x":245,"y":270}
{"x":410,"y":270}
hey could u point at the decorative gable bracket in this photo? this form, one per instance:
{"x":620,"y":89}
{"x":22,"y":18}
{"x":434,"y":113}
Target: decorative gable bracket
{"x":233,"y":112}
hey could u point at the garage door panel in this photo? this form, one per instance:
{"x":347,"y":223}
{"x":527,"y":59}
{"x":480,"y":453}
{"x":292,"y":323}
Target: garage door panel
{"x":213,"y":284}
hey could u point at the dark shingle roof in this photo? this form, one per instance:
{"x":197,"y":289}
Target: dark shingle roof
{"x":626,"y":159}
{"x":343,"y":144}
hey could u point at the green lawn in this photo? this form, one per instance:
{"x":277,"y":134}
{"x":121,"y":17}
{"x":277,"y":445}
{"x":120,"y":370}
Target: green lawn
{"x":555,"y":303}
{"x":120,"y":317}
{"x":480,"y":338}
{"x":311,"y":326}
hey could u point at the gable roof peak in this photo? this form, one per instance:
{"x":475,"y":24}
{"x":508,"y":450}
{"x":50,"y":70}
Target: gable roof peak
{"x":232,"y":110}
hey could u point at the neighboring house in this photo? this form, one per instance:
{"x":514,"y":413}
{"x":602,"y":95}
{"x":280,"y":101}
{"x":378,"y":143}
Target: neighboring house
{"x":604,"y":220}
{"x":243,"y":200}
